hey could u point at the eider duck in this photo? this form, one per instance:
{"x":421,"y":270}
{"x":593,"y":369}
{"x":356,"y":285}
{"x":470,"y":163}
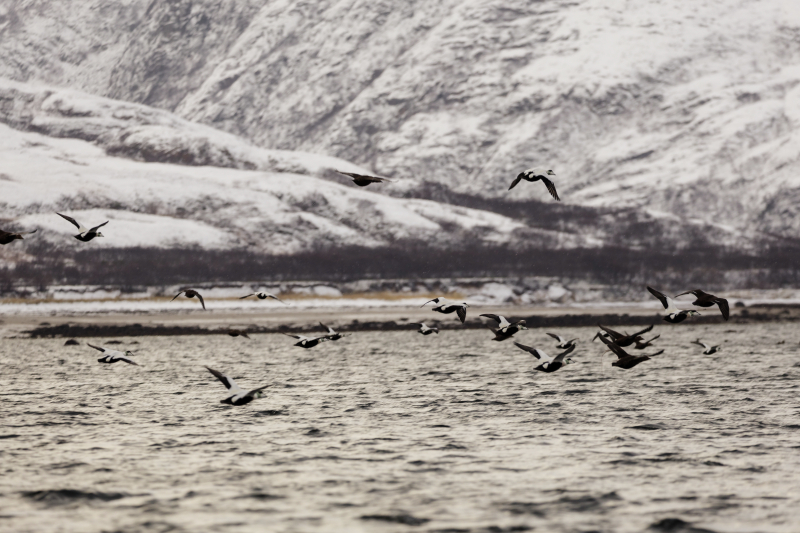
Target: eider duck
{"x":625,"y":360}
{"x":622,"y":339}
{"x":674,"y":315}
{"x":262,"y":296}
{"x":238,"y":333}
{"x":547,"y":363}
{"x":191,"y":293}
{"x":363,"y":180}
{"x":536,"y":174}
{"x":707,"y":350}
{"x":332,"y":335}
{"x":6,"y":237}
{"x":445,"y":306}
{"x":238,"y":396}
{"x":425,"y":330}
{"x":642,"y":344}
{"x":307,"y":342}
{"x":563,"y":344}
{"x":703,"y":299}
{"x":505,"y":329}
{"x":113,"y":356}
{"x":84,"y":235}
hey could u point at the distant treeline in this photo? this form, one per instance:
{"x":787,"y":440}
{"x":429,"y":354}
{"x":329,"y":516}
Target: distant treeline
{"x":770,"y":268}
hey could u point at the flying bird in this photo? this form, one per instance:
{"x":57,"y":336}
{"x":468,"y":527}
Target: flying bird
{"x":112,"y":356}
{"x":84,"y":235}
{"x":641,"y":345}
{"x":307,"y":342}
{"x":547,"y":363}
{"x":191,"y":293}
{"x":262,"y":296}
{"x":674,"y":315}
{"x":707,"y":350}
{"x":563,"y":344}
{"x":703,"y":299}
{"x":6,"y":237}
{"x":332,"y":335}
{"x":237,"y":395}
{"x":445,"y":306}
{"x":237,"y":333}
{"x":625,"y":360}
{"x":505,"y":329}
{"x":536,"y":174}
{"x":622,"y":339}
{"x":363,"y":180}
{"x":425,"y":330}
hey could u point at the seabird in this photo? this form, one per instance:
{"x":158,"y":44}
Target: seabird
{"x":505,"y":329}
{"x":536,"y":174}
{"x":707,"y":350}
{"x":622,"y":339}
{"x":562,"y":343}
{"x":262,"y":296}
{"x":191,"y":293}
{"x":641,"y":345}
{"x":547,"y":363}
{"x":238,"y":333}
{"x":674,"y":315}
{"x":332,"y":335}
{"x":425,"y":330}
{"x":625,"y":360}
{"x":306,"y":342}
{"x":238,"y":396}
{"x":112,"y":356}
{"x":703,"y":299}
{"x":445,"y":306}
{"x":6,"y":237}
{"x":363,"y":180}
{"x":84,"y":234}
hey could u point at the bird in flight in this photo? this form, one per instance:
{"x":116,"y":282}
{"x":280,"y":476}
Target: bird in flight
{"x":191,"y":293}
{"x":114,"y":356}
{"x":362,"y":180}
{"x":547,"y":363}
{"x":237,"y":395}
{"x":536,"y":174}
{"x":262,"y":296}
{"x":674,"y":315}
{"x":84,"y":235}
{"x":625,"y":360}
{"x":703,"y":299}
{"x":445,"y":306}
{"x":505,"y":329}
{"x":7,"y":237}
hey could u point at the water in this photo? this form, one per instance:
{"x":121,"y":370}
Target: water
{"x":399,"y":432}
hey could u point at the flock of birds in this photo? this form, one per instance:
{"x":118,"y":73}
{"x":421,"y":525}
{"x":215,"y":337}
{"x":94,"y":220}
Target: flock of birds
{"x":615,"y":341}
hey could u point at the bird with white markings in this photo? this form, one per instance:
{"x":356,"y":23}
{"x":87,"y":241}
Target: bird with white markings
{"x":84,"y":235}
{"x":707,"y":350}
{"x":536,"y":174}
{"x":703,"y":299}
{"x":307,"y":342}
{"x":425,"y":330}
{"x":332,"y":335}
{"x":237,"y":395}
{"x":114,"y":356}
{"x":505,"y":329}
{"x":547,"y":363}
{"x":191,"y":293}
{"x":262,"y":296}
{"x":625,"y":360}
{"x":362,"y":180}
{"x":563,"y":344}
{"x":673,"y":314}
{"x":7,"y":237}
{"x":445,"y":306}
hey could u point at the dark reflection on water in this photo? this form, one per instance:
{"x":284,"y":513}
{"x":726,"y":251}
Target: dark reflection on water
{"x":453,"y":433}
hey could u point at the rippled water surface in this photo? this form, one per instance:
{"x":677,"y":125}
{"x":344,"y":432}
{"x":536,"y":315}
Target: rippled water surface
{"x":399,"y":432}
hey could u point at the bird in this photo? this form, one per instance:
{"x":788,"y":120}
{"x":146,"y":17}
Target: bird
{"x":625,"y":360}
{"x":237,"y":396}
{"x":547,"y":363}
{"x":703,"y":299}
{"x":445,"y":306}
{"x":306,"y":342}
{"x":674,"y":315}
{"x":642,"y":344}
{"x":262,"y":296}
{"x":6,"y":237}
{"x":237,"y":333}
{"x":84,"y":235}
{"x":425,"y":330}
{"x":191,"y":293}
{"x":622,"y":339}
{"x":562,"y":343}
{"x":536,"y":174}
{"x":707,"y":350}
{"x":112,"y":356}
{"x":363,"y":180}
{"x":506,"y":329}
{"x":332,"y":335}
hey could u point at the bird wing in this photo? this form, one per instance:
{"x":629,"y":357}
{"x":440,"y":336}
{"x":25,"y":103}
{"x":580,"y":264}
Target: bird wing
{"x":250,"y":393}
{"x":200,"y":297}
{"x":177,"y":296}
{"x":462,"y":313}
{"x":228,"y":382}
{"x":654,"y":354}
{"x":126,"y":359}
{"x":654,"y":338}
{"x":722,"y":303}
{"x":298,"y":337}
{"x":560,"y":357}
{"x":97,"y":347}
{"x":614,"y":334}
{"x":275,"y":298}
{"x":538,"y":354}
{"x":73,"y":221}
{"x":665,"y":300}
{"x":515,"y":182}
{"x":645,"y":330}
{"x":701,"y":343}
{"x":551,"y":188}
{"x":365,"y":177}
{"x":620,"y":353}
{"x":329,"y":329}
{"x":501,"y":320}
{"x":559,"y":338}
{"x":248,"y":296}
{"x":98,"y":227}
{"x":696,"y":292}
{"x":429,"y":301}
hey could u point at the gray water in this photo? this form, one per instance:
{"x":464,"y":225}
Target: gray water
{"x":399,"y":432}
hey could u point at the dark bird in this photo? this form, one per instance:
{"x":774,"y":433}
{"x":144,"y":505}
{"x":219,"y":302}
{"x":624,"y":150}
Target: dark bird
{"x":641,"y":345}
{"x":6,"y":237}
{"x":191,"y":293}
{"x":262,"y":296}
{"x":563,"y":344}
{"x":547,"y":363}
{"x":332,"y":335}
{"x":707,"y":350}
{"x":445,"y":306}
{"x":536,"y":174}
{"x":703,"y":299}
{"x":674,"y":315}
{"x":84,"y":235}
{"x":112,"y":356}
{"x":425,"y":330}
{"x":237,"y":333}
{"x":624,"y":359}
{"x":363,"y":180}
{"x":306,"y":342}
{"x":237,"y":396}
{"x":505,"y":329}
{"x":622,"y":339}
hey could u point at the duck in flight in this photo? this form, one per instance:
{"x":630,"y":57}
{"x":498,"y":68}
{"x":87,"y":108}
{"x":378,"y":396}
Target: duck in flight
{"x":641,"y":345}
{"x":425,"y":330}
{"x":536,"y":174}
{"x":237,"y":395}
{"x":445,"y":306}
{"x":707,"y":350}
{"x":307,"y":342}
{"x":622,"y":339}
{"x":238,"y":333}
{"x":84,"y":235}
{"x":362,"y":180}
{"x":191,"y":293}
{"x":113,"y":356}
{"x":563,"y":344}
{"x":505,"y":329}
{"x":262,"y":296}
{"x":332,"y":335}
{"x":625,"y":360}
{"x":547,"y":363}
{"x":673,"y":314}
{"x":6,"y":237}
{"x":703,"y":299}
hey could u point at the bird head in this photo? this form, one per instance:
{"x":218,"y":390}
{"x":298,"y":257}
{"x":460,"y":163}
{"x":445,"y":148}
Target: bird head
{"x":568,"y":361}
{"x":521,"y":325}
{"x":258,"y":394}
{"x":692,"y":312}
{"x":99,"y":234}
{"x":551,"y":173}
{"x":129,"y":353}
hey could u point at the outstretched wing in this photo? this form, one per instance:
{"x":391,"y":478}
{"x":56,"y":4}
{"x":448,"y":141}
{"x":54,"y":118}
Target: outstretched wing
{"x":250,"y":393}
{"x":560,"y":357}
{"x":515,"y":182}
{"x":615,"y":334}
{"x":620,"y":353}
{"x":559,"y":338}
{"x":228,"y":382}
{"x":248,"y":296}
{"x":701,"y":343}
{"x":363,"y":177}
{"x":551,"y":188}
{"x":696,"y":292}
{"x":500,"y":319}
{"x":98,"y":227}
{"x":200,"y":297}
{"x":645,"y":330}
{"x":298,"y":337}
{"x":177,"y":296}
{"x":329,"y":329}
{"x":462,"y":313}
{"x":97,"y":347}
{"x":126,"y":359}
{"x":73,"y":222}
{"x":538,"y":354}
{"x":663,"y":298}
{"x":722,"y":303}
